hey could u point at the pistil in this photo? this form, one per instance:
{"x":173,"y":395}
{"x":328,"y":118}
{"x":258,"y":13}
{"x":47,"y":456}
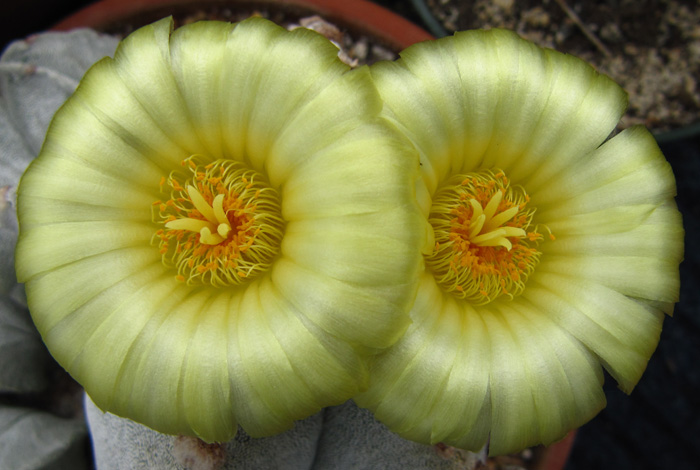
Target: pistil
{"x":215,"y":226}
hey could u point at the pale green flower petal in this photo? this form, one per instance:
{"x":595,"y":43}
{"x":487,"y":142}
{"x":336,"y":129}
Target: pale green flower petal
{"x":311,"y":351}
{"x":143,"y":63}
{"x":266,"y":106}
{"x":264,"y":362}
{"x":608,"y":221}
{"x":113,"y":266}
{"x":629,"y":169}
{"x":191,"y":364}
{"x":294,"y":108}
{"x":619,"y":330}
{"x":561,"y":377}
{"x":622,"y":193}
{"x":104,"y":105}
{"x":239,"y":133}
{"x":387,"y":371}
{"x":582,"y":110}
{"x":552,"y":254}
{"x":419,"y":118}
{"x":657,"y":234}
{"x":40,"y":211}
{"x":510,"y":394}
{"x":361,"y":257}
{"x":549,"y":110}
{"x":93,"y":188}
{"x":408,"y":403}
{"x":313,"y":134}
{"x":197,"y":53}
{"x":117,"y":323}
{"x":490,"y":99}
{"x":579,"y":390}
{"x":515,"y":74}
{"x":277,"y":348}
{"x":491,"y":366}
{"x":249,"y":43}
{"x":327,"y":188}
{"x":154,"y":362}
{"x":75,"y":241}
{"x":206,"y":394}
{"x":462,"y":414}
{"x":362,"y":314}
{"x":643,"y":277}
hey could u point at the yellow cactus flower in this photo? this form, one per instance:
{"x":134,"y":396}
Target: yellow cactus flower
{"x":555,"y":251}
{"x":219,"y":228}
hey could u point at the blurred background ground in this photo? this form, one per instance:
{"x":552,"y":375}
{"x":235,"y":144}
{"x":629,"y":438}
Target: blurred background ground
{"x":657,"y":427}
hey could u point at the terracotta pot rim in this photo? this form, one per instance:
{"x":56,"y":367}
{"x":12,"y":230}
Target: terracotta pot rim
{"x":357,"y":15}
{"x":555,"y":456}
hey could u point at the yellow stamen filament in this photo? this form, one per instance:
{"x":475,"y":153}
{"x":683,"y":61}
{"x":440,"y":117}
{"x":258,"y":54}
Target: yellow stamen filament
{"x":483,"y":247}
{"x":222,"y":223}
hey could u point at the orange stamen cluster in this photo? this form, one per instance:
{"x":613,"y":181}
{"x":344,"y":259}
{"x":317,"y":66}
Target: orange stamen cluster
{"x":221,"y":225}
{"x":483,"y":248}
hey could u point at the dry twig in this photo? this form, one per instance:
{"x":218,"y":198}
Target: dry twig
{"x":587,"y":32}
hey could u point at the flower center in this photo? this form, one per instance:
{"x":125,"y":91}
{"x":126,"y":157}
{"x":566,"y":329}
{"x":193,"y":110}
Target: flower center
{"x":483,"y":246}
{"x":222,"y":223}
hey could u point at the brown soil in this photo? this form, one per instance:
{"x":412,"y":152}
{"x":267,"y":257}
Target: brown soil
{"x":650,"y":47}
